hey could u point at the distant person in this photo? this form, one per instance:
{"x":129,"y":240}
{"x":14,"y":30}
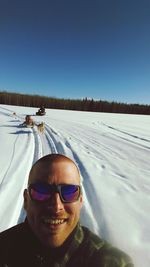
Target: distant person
{"x":28,"y":121}
{"x":51,"y":234}
{"x":42,"y":109}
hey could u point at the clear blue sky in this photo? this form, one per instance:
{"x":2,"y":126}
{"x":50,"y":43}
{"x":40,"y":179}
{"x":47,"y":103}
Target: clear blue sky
{"x":76,"y":48}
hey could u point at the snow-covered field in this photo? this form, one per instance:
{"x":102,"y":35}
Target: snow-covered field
{"x":113,"y":154}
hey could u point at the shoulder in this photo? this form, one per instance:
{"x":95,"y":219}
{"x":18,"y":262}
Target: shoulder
{"x":13,"y":246}
{"x":11,"y":236}
{"x":102,"y":253}
{"x":11,"y":231}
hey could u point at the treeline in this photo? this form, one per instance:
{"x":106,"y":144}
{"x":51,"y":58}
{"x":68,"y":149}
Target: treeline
{"x":85,"y":104}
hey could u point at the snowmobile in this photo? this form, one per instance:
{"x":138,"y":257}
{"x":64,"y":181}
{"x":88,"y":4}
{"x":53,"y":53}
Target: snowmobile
{"x":41,"y":111}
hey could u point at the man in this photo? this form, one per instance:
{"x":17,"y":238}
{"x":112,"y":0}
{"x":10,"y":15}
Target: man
{"x":28,"y":121}
{"x":41,"y":111}
{"x":51,"y":235}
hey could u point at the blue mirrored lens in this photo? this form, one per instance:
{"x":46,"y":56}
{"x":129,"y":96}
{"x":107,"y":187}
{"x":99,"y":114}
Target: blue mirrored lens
{"x":40,"y":191}
{"x":39,"y":196}
{"x":70,"y":192}
{"x":42,"y":188}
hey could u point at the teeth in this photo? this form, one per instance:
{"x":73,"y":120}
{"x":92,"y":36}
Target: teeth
{"x":54,"y":221}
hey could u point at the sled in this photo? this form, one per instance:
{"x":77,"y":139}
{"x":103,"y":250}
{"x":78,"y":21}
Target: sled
{"x":40,"y":113}
{"x":27,"y":125}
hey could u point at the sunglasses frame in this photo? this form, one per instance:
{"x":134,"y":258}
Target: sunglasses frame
{"x":54,"y":189}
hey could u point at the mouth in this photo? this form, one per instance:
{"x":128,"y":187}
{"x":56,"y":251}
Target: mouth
{"x":54,"y":221}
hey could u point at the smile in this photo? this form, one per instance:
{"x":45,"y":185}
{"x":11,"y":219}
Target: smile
{"x":54,"y":221}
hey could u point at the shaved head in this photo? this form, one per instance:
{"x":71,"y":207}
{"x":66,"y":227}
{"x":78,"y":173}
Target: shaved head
{"x":47,"y":162}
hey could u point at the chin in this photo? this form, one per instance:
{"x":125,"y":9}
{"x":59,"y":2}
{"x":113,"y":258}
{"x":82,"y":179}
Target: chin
{"x":54,"y":243}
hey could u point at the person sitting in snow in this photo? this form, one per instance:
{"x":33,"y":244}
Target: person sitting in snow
{"x":28,"y":121}
{"x":52,"y":234}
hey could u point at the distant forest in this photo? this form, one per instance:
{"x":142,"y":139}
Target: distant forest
{"x":84,"y":104}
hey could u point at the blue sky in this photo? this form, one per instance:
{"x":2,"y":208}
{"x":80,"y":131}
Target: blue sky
{"x":76,"y":48}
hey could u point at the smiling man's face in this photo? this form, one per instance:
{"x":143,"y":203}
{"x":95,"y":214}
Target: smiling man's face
{"x":53,"y":221}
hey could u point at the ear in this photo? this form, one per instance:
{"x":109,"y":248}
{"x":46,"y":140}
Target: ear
{"x":25,"y":195}
{"x":81,"y":200}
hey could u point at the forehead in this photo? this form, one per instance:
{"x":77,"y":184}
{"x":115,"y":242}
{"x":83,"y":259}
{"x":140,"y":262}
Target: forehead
{"x":62,"y":171}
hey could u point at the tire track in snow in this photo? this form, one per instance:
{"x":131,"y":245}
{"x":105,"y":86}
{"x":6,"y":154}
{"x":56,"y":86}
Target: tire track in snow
{"x":37,"y":146}
{"x":11,"y":161}
{"x":20,"y":152}
{"x":9,"y":113}
{"x":36,"y":155}
{"x":6,"y":111}
{"x":50,"y":140}
{"x":130,"y":135}
{"x":100,"y":226}
{"x":44,"y":143}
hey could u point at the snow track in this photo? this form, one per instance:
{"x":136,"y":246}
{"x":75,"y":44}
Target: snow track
{"x":48,"y":142}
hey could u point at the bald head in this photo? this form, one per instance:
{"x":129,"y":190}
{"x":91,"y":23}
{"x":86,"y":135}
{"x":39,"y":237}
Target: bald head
{"x":55,"y":168}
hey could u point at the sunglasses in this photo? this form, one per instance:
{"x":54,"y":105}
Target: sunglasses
{"x":42,"y":192}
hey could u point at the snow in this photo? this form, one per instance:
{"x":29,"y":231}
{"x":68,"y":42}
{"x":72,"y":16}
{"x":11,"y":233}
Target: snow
{"x":112,"y":152}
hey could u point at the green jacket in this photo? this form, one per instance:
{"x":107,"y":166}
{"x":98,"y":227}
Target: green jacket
{"x":20,"y":248}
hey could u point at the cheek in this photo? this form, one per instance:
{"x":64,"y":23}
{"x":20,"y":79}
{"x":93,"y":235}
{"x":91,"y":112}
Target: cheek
{"x":32,"y":209}
{"x":73,"y":209}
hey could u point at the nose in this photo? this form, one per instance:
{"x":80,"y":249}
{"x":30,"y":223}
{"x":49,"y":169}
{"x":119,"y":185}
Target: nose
{"x":55,"y":203}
